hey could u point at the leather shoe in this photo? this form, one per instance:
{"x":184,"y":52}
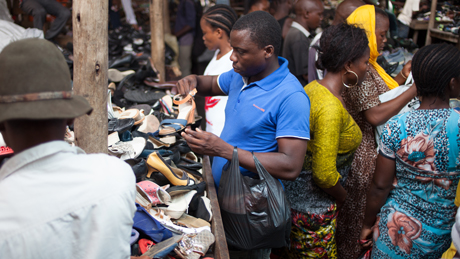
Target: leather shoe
{"x":120,"y":126}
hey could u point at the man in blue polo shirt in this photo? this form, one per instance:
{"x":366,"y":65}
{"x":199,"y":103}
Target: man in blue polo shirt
{"x":267,"y":109}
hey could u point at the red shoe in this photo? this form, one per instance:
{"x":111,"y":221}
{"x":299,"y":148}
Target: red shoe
{"x":145,"y":244}
{"x":5,"y":151}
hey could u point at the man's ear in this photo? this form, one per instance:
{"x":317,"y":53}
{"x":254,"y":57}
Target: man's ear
{"x":269,"y":51}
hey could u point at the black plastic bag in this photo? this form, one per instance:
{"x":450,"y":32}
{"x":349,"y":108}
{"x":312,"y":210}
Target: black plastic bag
{"x":255,"y":212}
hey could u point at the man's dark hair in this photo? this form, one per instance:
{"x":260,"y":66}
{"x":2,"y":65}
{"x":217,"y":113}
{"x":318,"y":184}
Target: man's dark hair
{"x":221,"y":16}
{"x":340,"y":44}
{"x":263,"y":29}
{"x":433,"y":67}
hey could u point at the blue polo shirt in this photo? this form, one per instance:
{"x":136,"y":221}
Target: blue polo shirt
{"x":259,"y":113}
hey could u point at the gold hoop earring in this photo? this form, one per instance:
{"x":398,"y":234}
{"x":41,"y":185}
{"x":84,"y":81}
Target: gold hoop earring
{"x":350,"y":86}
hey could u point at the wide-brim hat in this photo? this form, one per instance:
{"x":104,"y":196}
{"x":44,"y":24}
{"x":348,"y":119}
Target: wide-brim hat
{"x":35,"y":83}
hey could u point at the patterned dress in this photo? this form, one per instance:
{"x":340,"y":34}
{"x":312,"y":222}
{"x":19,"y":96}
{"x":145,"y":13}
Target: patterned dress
{"x":334,"y":138}
{"x":351,"y":216}
{"x":417,"y":218}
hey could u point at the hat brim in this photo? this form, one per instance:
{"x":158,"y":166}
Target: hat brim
{"x":45,"y":109}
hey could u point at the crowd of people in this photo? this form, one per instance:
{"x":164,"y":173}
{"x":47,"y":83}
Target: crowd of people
{"x":307,"y":105}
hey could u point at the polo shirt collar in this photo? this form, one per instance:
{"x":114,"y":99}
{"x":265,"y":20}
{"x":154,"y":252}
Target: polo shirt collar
{"x":35,"y":153}
{"x":301,"y":28}
{"x":272,"y":80}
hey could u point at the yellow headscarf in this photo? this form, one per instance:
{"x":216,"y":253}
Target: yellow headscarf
{"x":364,"y":17}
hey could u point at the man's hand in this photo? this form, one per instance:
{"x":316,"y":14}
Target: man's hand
{"x":140,"y":257}
{"x":206,"y":143}
{"x":185,"y":85}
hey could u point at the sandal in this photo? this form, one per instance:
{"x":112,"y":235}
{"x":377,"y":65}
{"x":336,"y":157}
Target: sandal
{"x":186,"y":115}
{"x":167,"y":104}
{"x":174,"y":175}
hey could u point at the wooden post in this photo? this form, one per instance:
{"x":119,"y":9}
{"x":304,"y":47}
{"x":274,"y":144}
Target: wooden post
{"x":431,"y":22}
{"x":166,"y":22}
{"x":157,"y":37}
{"x":90,"y":34}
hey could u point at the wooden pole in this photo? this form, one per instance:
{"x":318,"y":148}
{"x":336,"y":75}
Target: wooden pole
{"x":431,"y":22}
{"x":166,"y":23}
{"x":90,"y":34}
{"x":157,"y":37}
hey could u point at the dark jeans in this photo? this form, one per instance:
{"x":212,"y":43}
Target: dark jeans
{"x":114,"y":17}
{"x":39,"y":8}
{"x":403,"y":30}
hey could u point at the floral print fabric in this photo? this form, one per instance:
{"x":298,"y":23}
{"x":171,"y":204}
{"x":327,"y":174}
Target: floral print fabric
{"x":313,"y":235}
{"x":417,"y":218}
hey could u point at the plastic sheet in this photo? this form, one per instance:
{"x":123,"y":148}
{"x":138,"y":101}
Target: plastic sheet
{"x":255,"y":212}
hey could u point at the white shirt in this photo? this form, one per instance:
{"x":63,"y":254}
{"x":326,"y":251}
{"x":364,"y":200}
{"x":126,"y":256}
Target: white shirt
{"x":406,"y":15}
{"x":319,"y":72}
{"x":58,"y":202}
{"x":215,"y":105}
{"x":301,"y":28}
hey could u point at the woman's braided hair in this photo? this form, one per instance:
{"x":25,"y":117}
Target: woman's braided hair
{"x":433,"y":67}
{"x":340,"y":44}
{"x":221,"y":16}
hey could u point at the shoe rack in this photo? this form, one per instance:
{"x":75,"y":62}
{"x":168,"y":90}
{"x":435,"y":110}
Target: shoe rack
{"x":434,"y":32}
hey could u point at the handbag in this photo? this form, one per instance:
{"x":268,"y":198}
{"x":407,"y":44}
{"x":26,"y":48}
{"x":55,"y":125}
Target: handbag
{"x":255,"y":212}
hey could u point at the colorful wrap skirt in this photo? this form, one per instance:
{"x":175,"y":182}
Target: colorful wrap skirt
{"x":313,"y":235}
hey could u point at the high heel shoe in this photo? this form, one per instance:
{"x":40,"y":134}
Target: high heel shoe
{"x":176,"y":176}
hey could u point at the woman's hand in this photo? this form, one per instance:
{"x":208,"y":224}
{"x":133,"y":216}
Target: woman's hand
{"x":406,"y":69}
{"x":366,"y":234}
{"x":404,"y":73}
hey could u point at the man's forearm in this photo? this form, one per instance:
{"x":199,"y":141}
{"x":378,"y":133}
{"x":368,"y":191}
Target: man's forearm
{"x":183,"y":31}
{"x":207,"y":86}
{"x":279,"y":165}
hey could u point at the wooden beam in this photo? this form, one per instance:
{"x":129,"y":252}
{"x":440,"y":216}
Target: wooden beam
{"x":157,"y":36}
{"x":90,"y":34}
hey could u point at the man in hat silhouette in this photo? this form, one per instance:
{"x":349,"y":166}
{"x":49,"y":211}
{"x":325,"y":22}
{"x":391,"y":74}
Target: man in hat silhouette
{"x":55,"y":200}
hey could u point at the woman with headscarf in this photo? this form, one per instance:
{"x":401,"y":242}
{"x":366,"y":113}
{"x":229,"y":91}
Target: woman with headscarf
{"x":366,"y":109}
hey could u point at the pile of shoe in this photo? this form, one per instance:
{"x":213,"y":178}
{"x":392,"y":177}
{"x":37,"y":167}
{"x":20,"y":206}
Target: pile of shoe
{"x":449,"y":13}
{"x":393,"y":61}
{"x":144,"y":131}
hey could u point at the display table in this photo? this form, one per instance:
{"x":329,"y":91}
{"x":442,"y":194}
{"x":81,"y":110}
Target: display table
{"x":417,"y":26}
{"x":447,"y":36}
{"x":220,"y":249}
